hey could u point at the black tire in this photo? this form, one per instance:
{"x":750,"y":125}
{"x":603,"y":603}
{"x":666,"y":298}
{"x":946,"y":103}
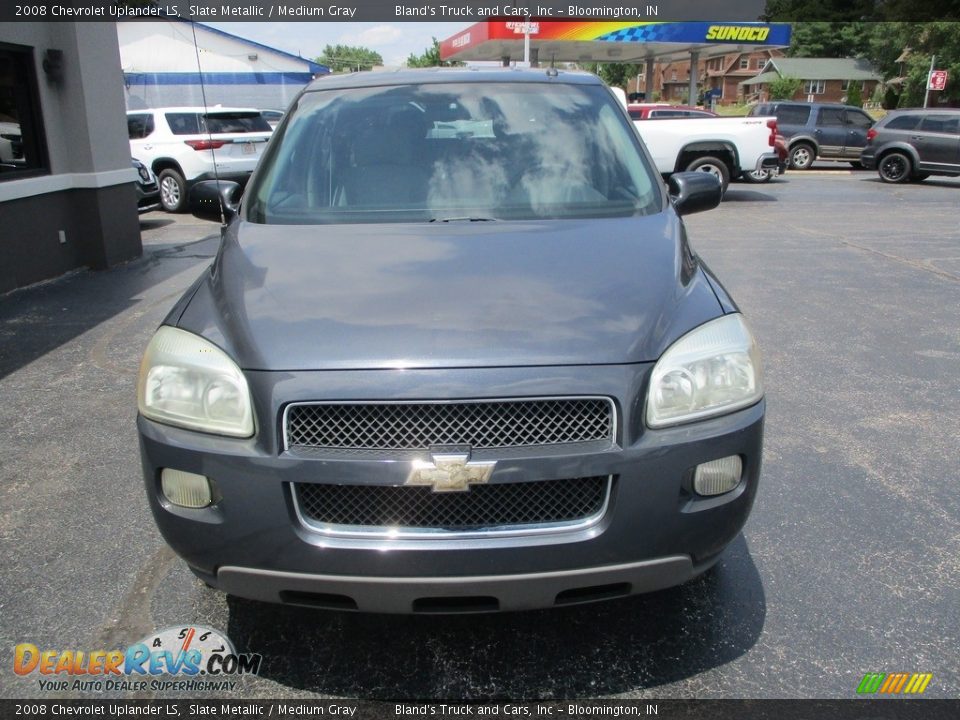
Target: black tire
{"x":757,"y":177}
{"x":713,"y":165}
{"x":802,"y":156}
{"x":895,"y":167}
{"x":856,"y":165}
{"x":173,"y":191}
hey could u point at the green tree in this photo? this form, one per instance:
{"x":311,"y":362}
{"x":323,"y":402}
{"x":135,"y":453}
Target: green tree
{"x":855,"y":93}
{"x":889,"y":40}
{"x":829,"y":39}
{"x":784,"y":88}
{"x":860,"y":10}
{"x":340,"y":58}
{"x":430,"y":58}
{"x":615,"y":74}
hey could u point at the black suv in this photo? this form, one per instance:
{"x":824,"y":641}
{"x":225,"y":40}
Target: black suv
{"x":914,"y":144}
{"x":828,"y":131}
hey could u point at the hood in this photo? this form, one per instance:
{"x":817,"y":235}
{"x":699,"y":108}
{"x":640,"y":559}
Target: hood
{"x":457,"y":294}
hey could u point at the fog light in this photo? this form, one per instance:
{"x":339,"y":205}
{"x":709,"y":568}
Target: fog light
{"x":718,"y":476}
{"x":186,"y":489}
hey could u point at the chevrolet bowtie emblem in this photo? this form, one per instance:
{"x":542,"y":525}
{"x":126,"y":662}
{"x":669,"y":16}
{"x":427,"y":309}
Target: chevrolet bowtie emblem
{"x":450,"y":470}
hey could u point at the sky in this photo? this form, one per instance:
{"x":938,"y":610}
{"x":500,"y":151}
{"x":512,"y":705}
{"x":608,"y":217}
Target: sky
{"x":394,"y":41}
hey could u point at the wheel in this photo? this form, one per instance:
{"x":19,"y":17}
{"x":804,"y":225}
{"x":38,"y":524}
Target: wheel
{"x":919,"y":177}
{"x":757,"y":176}
{"x":894,"y":167}
{"x":714,"y":166}
{"x":856,"y":165}
{"x":802,"y":156}
{"x":173,"y":191}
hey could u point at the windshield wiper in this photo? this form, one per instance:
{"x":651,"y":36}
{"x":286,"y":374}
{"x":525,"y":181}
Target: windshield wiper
{"x":463,"y":218}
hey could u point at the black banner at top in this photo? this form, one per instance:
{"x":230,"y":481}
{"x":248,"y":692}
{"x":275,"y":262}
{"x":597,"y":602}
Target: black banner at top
{"x":475,"y":10}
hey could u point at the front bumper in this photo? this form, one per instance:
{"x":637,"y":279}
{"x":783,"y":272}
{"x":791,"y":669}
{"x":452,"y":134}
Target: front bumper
{"x":148,"y":197}
{"x":654,"y":533}
{"x":238,"y":176}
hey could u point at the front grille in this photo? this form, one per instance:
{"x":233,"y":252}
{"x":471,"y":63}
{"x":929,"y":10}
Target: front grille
{"x":502,"y":505}
{"x":418,"y":426}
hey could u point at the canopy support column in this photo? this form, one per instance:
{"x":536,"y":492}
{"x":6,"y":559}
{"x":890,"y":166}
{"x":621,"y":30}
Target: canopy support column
{"x":694,"y":71}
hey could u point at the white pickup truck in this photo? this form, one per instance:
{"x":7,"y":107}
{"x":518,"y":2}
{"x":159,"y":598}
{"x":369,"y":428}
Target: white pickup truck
{"x":728,"y":147}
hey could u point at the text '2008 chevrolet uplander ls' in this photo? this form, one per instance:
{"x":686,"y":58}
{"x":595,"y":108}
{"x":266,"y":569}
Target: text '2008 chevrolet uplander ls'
{"x":454,"y":354}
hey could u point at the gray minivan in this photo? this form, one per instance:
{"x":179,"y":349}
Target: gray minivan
{"x":914,"y":144}
{"x":455,"y":354}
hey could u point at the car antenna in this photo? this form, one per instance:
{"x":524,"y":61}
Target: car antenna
{"x":206,"y":125}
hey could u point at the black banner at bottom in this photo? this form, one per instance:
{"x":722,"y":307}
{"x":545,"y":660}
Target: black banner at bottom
{"x":856,"y":709}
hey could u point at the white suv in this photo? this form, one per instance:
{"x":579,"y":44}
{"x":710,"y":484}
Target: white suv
{"x":181,"y":145}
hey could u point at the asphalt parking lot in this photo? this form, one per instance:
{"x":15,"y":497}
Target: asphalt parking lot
{"x":850,"y":562}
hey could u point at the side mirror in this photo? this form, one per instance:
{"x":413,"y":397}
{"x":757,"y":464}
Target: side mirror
{"x":206,"y":196}
{"x":693,"y":192}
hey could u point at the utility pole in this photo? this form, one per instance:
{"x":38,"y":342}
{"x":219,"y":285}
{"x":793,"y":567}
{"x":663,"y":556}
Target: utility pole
{"x":926,"y":94}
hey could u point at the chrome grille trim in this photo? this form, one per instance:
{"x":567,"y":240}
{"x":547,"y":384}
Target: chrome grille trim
{"x":381,"y":533}
{"x":416,"y":425}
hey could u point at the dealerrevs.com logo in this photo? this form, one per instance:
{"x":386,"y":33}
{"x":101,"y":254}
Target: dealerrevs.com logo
{"x":183,"y":652}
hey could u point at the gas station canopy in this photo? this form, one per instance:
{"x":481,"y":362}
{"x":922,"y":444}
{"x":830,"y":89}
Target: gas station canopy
{"x":575,"y":41}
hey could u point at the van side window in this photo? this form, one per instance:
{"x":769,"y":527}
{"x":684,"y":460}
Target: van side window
{"x":903,"y":122}
{"x":793,"y":114}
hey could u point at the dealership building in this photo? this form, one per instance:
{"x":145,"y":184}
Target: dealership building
{"x":175,"y":62}
{"x":67,"y":195}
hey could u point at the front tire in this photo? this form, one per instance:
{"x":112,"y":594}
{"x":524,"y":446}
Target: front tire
{"x":714,"y":166}
{"x":895,"y":167}
{"x":802,"y":156}
{"x":173,"y":191}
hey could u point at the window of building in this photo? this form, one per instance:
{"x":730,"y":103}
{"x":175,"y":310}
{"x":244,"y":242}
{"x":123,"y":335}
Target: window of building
{"x":757,"y":63}
{"x":673,"y":76}
{"x":23,"y":148}
{"x":814,"y":87}
{"x":744,"y":63}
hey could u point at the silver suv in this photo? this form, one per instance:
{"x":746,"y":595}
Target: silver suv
{"x":911,"y":145}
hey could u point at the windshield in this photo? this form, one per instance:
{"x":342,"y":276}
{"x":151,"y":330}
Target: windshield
{"x":444,"y":152}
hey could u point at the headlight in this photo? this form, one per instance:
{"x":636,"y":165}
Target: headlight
{"x":187,"y":381}
{"x":711,"y":370}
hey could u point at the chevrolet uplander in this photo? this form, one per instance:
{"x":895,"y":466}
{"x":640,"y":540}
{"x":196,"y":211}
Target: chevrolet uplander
{"x":455,"y":354}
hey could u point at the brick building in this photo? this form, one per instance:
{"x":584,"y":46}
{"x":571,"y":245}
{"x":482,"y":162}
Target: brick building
{"x":824,"y":79}
{"x":720,"y":74}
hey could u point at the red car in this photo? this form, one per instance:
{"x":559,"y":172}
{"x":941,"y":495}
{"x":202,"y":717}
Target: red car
{"x":661,"y":111}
